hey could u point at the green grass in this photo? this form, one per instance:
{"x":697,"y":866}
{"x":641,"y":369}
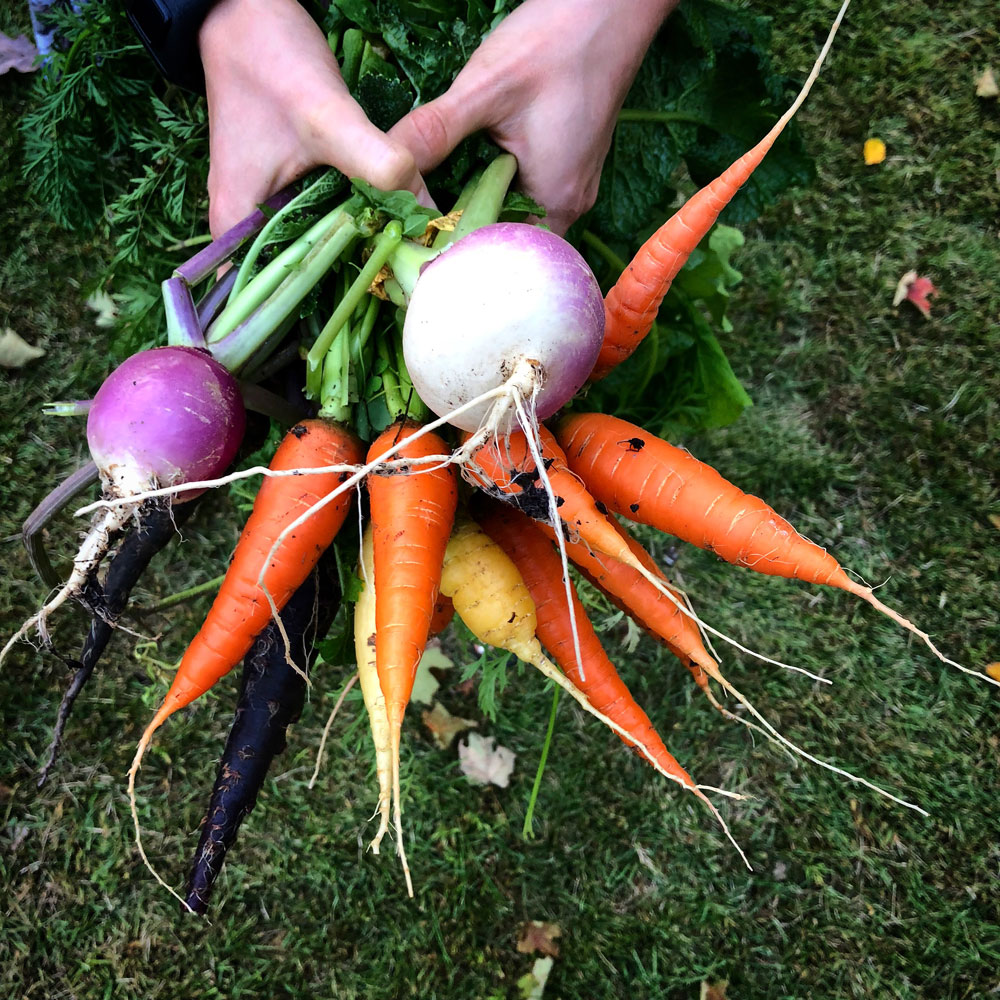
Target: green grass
{"x":874,"y":430}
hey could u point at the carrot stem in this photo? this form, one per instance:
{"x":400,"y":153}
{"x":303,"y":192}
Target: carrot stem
{"x":526,"y":831}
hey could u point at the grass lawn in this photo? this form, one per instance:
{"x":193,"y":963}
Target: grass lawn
{"x":876,"y":431}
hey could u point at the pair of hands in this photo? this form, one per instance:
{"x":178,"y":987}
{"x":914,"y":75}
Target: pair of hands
{"x":546,"y":84}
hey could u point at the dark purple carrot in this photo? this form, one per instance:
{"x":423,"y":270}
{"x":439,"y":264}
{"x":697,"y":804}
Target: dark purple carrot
{"x":159,"y":524}
{"x":271,"y":697}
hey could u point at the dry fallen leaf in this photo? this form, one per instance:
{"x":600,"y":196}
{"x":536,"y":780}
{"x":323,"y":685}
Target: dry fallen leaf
{"x":986,"y":85}
{"x":17,"y":53}
{"x":874,"y":151}
{"x":444,"y":726}
{"x":994,"y":519}
{"x":15,"y":352}
{"x":714,"y":991}
{"x":425,"y":684}
{"x":104,"y":305}
{"x":993,"y":670}
{"x":485,"y":763}
{"x":915,"y":289}
{"x":538,"y":936}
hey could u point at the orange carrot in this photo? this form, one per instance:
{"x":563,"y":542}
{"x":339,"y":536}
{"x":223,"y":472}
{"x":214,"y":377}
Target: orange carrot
{"x":444,"y":611}
{"x":646,"y":606}
{"x":240,"y":610}
{"x":541,"y":570}
{"x":646,"y":479}
{"x":412,"y":512}
{"x":630,"y":307}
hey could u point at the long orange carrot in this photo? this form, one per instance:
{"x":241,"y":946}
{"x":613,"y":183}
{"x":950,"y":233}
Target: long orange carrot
{"x":541,"y":570}
{"x":646,"y":479}
{"x":240,"y":610}
{"x":630,"y":307}
{"x":412,"y":512}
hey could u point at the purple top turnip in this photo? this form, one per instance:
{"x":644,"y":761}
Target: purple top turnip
{"x":163,"y":417}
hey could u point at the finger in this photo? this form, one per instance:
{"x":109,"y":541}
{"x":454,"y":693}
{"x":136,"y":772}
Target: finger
{"x":431,"y":131}
{"x":232,"y":196}
{"x":341,"y":135}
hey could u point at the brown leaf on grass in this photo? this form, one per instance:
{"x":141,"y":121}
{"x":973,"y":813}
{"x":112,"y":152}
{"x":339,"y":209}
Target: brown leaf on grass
{"x":714,"y":991}
{"x":986,"y":84}
{"x":17,"y":53}
{"x":15,"y":352}
{"x":916,"y":289}
{"x":485,"y":763}
{"x":538,"y":936}
{"x":444,"y":726}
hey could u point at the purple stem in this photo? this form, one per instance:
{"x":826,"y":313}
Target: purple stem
{"x":74,"y":483}
{"x":183,"y":328}
{"x":215,"y":298}
{"x":203,"y":263}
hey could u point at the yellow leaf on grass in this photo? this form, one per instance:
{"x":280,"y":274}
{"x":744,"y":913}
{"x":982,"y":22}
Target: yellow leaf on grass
{"x":874,"y":151}
{"x":425,"y":684}
{"x":993,"y":670}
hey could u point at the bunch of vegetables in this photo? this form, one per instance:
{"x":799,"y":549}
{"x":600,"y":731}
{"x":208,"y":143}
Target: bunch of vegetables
{"x":458,"y":347}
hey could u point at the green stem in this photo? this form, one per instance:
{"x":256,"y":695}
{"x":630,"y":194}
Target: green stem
{"x":238,"y":347}
{"x":364,"y":329}
{"x":194,"y":241}
{"x":335,"y":384}
{"x":385,"y":243}
{"x":660,"y":117}
{"x":270,"y":278}
{"x":416,"y":408}
{"x":526,"y":831}
{"x":487,"y":199}
{"x":246,"y":268}
{"x":394,"y":401}
{"x":406,"y":261}
{"x":596,"y":243}
{"x":184,"y":595}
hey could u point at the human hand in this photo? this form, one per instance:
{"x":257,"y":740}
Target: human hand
{"x":277,"y":107}
{"x":547,"y":84}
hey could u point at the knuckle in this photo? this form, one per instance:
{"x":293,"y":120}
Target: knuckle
{"x":429,"y":127}
{"x":393,"y":168}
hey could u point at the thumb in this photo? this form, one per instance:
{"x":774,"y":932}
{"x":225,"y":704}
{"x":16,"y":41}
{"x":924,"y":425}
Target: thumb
{"x":431,"y":131}
{"x":347,"y":140}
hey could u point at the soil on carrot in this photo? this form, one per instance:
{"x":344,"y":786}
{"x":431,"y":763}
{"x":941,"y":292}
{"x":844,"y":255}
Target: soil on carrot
{"x":874,"y":430}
